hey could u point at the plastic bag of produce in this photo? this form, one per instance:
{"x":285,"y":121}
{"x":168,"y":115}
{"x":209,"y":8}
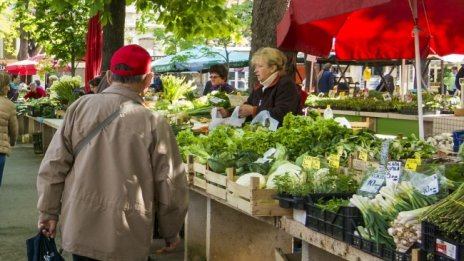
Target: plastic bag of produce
{"x":216,"y":119}
{"x":234,"y":120}
{"x":264,"y":117}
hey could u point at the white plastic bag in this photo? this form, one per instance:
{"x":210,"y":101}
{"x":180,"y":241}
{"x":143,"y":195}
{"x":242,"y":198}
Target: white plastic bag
{"x":234,"y":120}
{"x":264,"y":117}
{"x":216,"y":119}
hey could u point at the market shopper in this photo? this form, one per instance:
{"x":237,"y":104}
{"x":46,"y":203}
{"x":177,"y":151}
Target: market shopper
{"x":218,"y":75}
{"x":93,"y":84}
{"x":35,"y":92}
{"x":8,"y":122}
{"x":106,"y":193}
{"x":325,"y":79}
{"x":14,"y":88}
{"x":459,"y":75}
{"x":104,"y":83}
{"x":275,"y":92}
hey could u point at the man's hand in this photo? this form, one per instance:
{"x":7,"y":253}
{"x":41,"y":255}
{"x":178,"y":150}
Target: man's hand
{"x":48,"y":227}
{"x":169,"y":247}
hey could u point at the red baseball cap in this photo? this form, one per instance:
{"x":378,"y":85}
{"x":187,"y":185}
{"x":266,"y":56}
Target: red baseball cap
{"x":135,"y":57}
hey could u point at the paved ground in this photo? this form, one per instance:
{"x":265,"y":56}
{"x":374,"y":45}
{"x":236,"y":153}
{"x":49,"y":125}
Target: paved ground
{"x":18,"y":214}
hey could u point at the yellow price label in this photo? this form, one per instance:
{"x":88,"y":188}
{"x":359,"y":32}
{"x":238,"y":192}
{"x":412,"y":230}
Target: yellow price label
{"x":411,"y":164}
{"x":334,"y":161}
{"x":363,"y":155}
{"x":417,"y":156}
{"x":311,"y":162}
{"x":341,"y":94}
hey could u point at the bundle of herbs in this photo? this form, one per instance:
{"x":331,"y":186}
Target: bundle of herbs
{"x":448,"y":214}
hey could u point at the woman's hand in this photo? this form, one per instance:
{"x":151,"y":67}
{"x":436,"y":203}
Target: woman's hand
{"x":224,"y":113}
{"x":245,"y":110}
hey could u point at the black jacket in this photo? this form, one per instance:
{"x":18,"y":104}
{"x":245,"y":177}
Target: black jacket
{"x":280,"y":98}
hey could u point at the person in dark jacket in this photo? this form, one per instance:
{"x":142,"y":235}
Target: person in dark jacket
{"x":276,"y":92}
{"x":218,"y":75}
{"x":325,"y":79}
{"x":459,"y":75}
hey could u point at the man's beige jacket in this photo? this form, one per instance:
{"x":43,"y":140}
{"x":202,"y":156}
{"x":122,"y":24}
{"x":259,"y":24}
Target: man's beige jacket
{"x":106,"y":196}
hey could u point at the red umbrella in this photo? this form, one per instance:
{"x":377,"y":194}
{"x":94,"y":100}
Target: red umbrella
{"x":24,"y":67}
{"x":396,"y":29}
{"x":381,"y":31}
{"x":93,"y":52}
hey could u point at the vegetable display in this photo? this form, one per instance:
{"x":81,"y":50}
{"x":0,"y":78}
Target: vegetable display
{"x":448,"y":214}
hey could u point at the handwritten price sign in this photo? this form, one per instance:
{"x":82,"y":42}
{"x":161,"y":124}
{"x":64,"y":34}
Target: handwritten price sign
{"x":311,"y":162}
{"x":334,"y":161}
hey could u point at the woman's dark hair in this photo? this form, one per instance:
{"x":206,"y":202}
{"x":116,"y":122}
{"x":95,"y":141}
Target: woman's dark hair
{"x":95,"y":81}
{"x":221,"y":70}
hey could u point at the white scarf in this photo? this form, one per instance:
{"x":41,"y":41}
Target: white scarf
{"x":269,"y":80}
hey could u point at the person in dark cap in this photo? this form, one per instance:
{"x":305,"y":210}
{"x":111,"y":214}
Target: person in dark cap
{"x":110,"y":167}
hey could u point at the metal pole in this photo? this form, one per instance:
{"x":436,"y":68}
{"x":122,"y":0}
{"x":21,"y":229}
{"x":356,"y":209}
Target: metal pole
{"x":420,"y":117}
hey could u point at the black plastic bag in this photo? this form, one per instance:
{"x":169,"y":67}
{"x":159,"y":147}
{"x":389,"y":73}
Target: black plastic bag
{"x":42,"y":248}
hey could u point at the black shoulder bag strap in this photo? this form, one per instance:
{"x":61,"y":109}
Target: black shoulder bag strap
{"x":100,"y":127}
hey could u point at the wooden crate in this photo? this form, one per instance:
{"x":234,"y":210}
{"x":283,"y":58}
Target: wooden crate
{"x":252,"y":199}
{"x":357,"y":125}
{"x":189,"y":169}
{"x":198,"y":175}
{"x":213,"y":183}
{"x":216,"y":184}
{"x":363,"y":165}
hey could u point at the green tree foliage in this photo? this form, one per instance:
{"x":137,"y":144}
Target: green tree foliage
{"x":62,"y":35}
{"x":7,"y":28}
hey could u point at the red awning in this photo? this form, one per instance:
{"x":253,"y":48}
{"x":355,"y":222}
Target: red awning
{"x":371,"y":30}
{"x":24,"y":67}
{"x":93,"y":52}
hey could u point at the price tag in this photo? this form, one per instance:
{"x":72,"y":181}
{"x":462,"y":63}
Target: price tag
{"x":311,"y":162}
{"x":334,"y":161}
{"x":216,"y":100}
{"x":386,"y":96}
{"x":393,"y":172}
{"x":429,"y":185}
{"x":384,"y":152}
{"x":411,"y":164}
{"x":341,"y":94}
{"x":417,"y":156}
{"x":373,"y":183}
{"x":363,"y":155}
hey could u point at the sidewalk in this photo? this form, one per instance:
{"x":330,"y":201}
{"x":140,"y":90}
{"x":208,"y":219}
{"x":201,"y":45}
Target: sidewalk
{"x":18,"y":213}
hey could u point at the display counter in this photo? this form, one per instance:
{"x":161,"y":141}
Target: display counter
{"x":216,"y":230}
{"x":391,"y":123}
{"x":47,"y":128}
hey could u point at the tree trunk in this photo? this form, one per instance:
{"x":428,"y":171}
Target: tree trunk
{"x":113,"y":33}
{"x":265,"y":17}
{"x":23,"y":53}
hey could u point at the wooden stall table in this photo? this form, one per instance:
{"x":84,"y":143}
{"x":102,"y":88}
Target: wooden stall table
{"x":215,"y":230}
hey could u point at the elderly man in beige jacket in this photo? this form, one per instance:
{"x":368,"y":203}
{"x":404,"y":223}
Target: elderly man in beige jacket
{"x":104,"y":177}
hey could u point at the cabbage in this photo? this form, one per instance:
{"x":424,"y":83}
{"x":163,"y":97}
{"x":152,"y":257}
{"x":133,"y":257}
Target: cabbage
{"x":281,"y":168}
{"x":245,"y":179}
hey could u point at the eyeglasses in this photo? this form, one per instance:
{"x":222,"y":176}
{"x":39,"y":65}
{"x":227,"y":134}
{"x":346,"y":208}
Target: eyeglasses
{"x":213,"y":76}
